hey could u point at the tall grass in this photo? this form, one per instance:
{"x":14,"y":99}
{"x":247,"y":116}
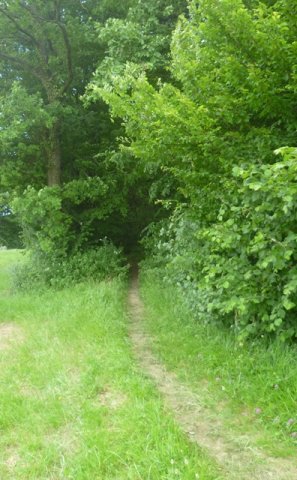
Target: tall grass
{"x":252,"y":387}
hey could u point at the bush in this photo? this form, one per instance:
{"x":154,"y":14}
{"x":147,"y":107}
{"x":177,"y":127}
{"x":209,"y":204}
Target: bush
{"x":42,"y":271}
{"x":54,"y":219}
{"x":242,"y":269}
{"x":61,"y":239}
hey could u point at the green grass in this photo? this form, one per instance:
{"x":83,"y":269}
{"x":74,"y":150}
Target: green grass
{"x":73,"y":403}
{"x":252,"y":388}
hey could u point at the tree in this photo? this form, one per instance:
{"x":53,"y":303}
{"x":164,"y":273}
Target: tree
{"x":49,"y":48}
{"x":48,"y":137}
{"x":232,"y":99}
{"x":231,"y":241}
{"x":141,"y":39}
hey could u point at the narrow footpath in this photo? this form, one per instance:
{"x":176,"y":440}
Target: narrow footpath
{"x":239,"y":460}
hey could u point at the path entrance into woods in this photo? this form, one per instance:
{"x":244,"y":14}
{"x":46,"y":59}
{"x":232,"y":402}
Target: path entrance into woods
{"x":238,"y":460}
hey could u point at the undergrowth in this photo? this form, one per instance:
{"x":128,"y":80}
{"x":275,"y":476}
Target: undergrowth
{"x":43,"y":271}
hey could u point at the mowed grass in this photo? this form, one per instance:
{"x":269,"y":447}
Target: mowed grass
{"x":251,"y":388}
{"x":73,"y":403}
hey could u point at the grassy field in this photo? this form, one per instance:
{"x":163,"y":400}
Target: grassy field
{"x":73,"y":403}
{"x":251,"y":388}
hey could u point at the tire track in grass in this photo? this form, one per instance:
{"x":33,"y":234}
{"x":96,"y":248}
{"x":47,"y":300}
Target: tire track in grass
{"x":240,"y":459}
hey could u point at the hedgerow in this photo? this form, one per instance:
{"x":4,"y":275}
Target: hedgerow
{"x":241,"y":270}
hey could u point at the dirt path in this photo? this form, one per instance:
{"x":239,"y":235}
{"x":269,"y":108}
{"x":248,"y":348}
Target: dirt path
{"x":237,"y":456}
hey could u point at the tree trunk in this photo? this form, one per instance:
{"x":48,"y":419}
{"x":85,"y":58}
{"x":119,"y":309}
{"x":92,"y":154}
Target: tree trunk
{"x":54,"y":157}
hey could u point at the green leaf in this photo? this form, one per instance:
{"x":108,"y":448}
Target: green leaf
{"x":288,"y":304}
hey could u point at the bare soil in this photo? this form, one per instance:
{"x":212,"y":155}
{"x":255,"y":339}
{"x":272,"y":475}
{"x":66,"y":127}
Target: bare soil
{"x":112,"y":399}
{"x":237,"y":455}
{"x":12,"y":460}
{"x":9,"y":333}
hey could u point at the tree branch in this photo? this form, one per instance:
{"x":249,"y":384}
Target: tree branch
{"x":38,"y":44}
{"x":54,"y":18}
{"x":68,"y":57}
{"x":67,"y":46}
{"x":23,"y":64}
{"x":58,"y":22}
{"x":33,"y":13}
{"x":58,"y":11}
{"x":19,"y":27}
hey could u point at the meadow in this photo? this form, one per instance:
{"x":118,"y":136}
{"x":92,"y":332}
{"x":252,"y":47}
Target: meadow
{"x":74,"y":403}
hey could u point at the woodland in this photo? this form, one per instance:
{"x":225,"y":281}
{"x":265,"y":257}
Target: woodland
{"x":158,"y":130}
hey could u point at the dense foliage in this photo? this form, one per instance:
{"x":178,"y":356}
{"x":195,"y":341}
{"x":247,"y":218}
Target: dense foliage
{"x":230,"y":242}
{"x":241,"y":269}
{"x":59,"y":158}
{"x":39,"y":271}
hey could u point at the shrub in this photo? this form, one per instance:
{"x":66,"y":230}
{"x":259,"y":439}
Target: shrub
{"x":41,"y":271}
{"x":242,"y":269}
